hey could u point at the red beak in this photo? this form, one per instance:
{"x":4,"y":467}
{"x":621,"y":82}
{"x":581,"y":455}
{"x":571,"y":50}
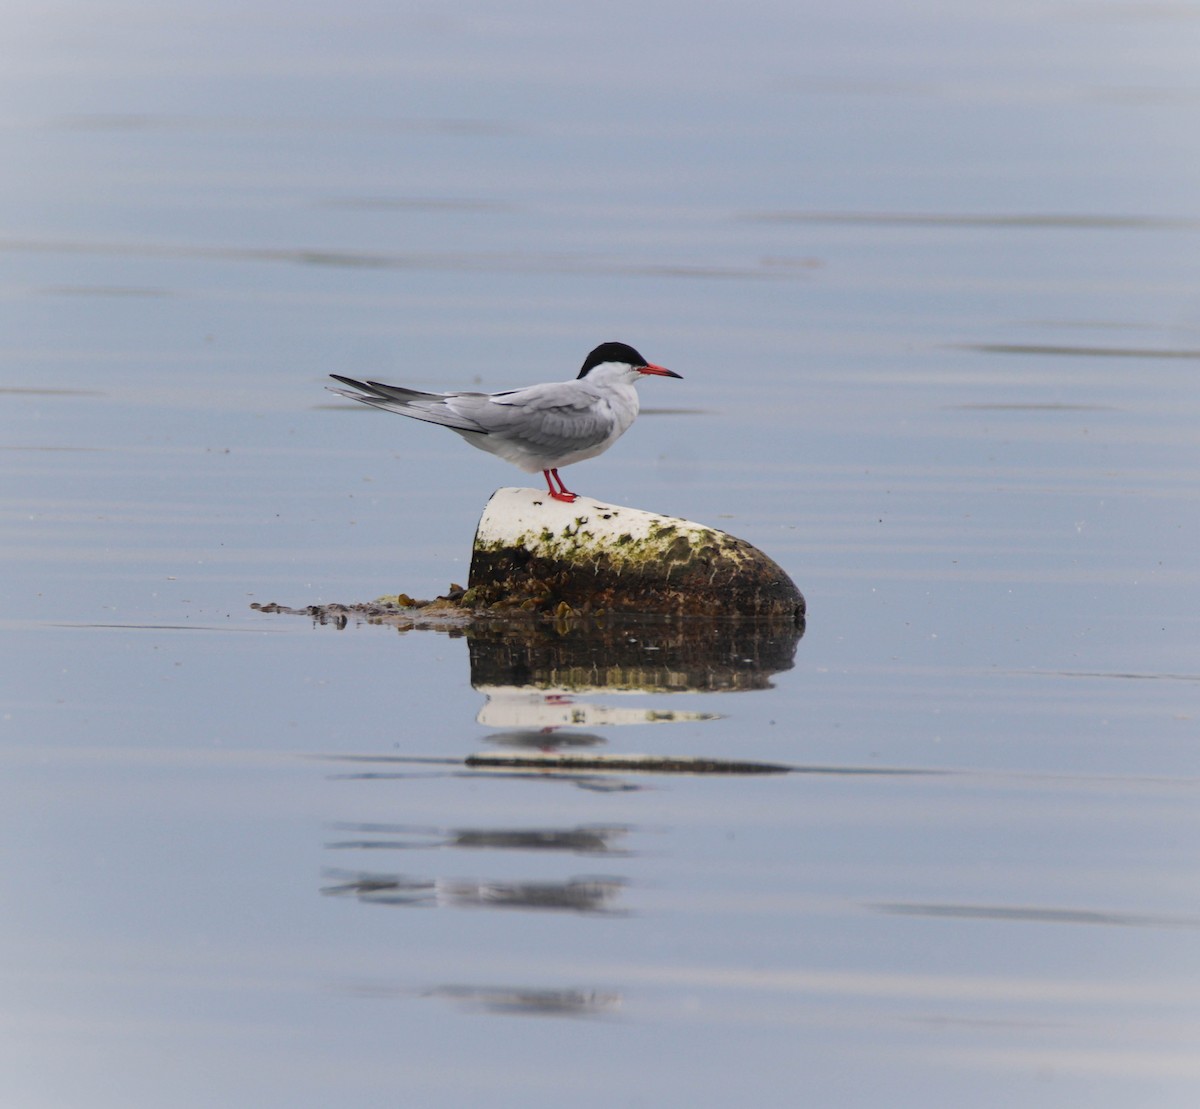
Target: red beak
{"x":658,"y":371}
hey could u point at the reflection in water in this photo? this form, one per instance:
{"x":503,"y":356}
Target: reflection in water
{"x":658,"y":654}
{"x":531,"y":673}
{"x":647,"y":656}
{"x":455,"y":261}
{"x":586,"y":839}
{"x":535,"y":677}
{"x":576,"y":895}
{"x":540,"y":739}
{"x":646,"y":764}
{"x":1038,"y":914}
{"x":1005,"y":220}
{"x":1082,"y":351}
{"x":460,"y":768}
{"x":539,"y":716}
{"x":530,"y":1002}
{"x":268,"y":124}
{"x":531,"y":670}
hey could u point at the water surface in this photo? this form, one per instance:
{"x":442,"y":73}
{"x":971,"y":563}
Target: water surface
{"x":930,"y":276}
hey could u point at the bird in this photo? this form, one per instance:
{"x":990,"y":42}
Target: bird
{"x":540,"y":427}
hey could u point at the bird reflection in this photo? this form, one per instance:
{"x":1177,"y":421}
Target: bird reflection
{"x":522,"y":710}
{"x":576,"y":895}
{"x":544,"y":739}
{"x":519,"y":1001}
{"x":586,"y":839}
{"x":532,"y":1001}
{"x":550,"y":691}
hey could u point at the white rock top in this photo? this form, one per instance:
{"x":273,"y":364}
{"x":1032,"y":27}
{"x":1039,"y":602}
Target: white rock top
{"x":530,"y":518}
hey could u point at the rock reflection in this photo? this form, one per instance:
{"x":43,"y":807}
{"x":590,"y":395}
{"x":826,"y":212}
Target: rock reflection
{"x":646,"y":656}
{"x":575,"y":895}
{"x":532,"y":674}
{"x":659,"y":654}
{"x":547,"y":684}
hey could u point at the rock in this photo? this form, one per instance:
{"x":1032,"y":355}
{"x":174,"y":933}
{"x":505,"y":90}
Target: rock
{"x":535,"y":553}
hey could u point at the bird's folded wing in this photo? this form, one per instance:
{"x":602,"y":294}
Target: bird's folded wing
{"x":550,"y":418}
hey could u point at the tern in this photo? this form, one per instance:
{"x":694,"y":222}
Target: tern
{"x":540,"y":427}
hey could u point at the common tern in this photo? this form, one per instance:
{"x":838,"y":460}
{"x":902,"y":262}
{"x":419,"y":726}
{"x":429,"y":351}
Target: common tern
{"x":540,"y":427}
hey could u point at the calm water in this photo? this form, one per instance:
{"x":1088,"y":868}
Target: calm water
{"x":930,"y":274}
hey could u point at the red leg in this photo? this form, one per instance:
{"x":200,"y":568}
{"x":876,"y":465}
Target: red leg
{"x":562,"y":493}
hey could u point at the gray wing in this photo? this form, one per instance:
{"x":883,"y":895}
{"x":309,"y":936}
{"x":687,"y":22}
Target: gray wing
{"x":548,"y":418}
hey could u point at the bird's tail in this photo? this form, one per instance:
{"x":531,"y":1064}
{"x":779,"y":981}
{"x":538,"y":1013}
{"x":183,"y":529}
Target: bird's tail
{"x":429,"y":407}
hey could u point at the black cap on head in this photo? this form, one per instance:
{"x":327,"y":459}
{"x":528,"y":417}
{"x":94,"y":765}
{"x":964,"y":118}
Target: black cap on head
{"x":612,"y":352}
